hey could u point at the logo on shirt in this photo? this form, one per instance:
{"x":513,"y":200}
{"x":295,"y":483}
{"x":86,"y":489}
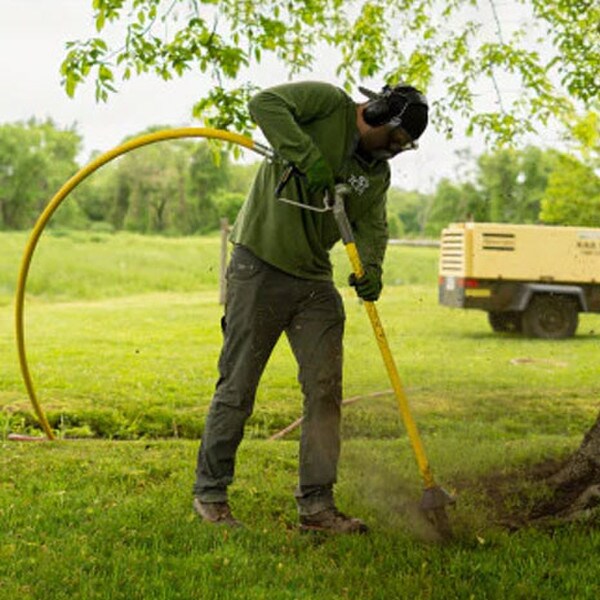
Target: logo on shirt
{"x":358,"y":183}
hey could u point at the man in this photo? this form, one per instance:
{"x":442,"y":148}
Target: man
{"x":280,"y":277}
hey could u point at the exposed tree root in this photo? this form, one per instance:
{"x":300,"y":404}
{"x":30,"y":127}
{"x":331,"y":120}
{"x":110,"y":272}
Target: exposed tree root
{"x":575,"y":487}
{"x":550,"y":493}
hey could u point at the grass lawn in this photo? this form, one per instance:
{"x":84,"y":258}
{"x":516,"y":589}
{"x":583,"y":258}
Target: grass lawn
{"x":123,"y":338}
{"x":100,"y":519}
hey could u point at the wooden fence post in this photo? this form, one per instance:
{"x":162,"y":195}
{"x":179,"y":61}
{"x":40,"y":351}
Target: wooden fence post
{"x":223,"y":265}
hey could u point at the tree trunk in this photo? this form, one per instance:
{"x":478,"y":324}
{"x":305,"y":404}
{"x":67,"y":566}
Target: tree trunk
{"x":576,"y":485}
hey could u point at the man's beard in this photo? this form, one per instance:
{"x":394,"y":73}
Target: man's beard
{"x":382,"y":154}
{"x":375,"y":154}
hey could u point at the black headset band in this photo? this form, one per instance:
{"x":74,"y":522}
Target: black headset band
{"x":388,"y":105}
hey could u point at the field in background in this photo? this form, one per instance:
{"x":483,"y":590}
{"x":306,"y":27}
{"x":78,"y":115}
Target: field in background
{"x":83,"y":265}
{"x":123,"y":338}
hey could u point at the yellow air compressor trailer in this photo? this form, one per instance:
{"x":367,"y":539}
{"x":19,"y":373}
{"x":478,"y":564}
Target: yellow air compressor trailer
{"x":534,"y":279}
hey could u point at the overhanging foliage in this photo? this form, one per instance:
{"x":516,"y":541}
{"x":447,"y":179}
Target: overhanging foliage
{"x":552,"y":55}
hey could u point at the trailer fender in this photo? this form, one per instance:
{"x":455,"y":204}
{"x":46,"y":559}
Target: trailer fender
{"x":528,"y":290}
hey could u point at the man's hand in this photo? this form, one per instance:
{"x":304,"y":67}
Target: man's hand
{"x":369,"y":286}
{"x":320,"y":177}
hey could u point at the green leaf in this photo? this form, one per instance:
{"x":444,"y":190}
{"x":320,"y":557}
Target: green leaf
{"x":105,"y":74}
{"x":100,"y":21}
{"x":70,"y":85}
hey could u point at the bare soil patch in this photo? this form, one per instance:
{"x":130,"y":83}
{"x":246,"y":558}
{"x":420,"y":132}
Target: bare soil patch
{"x":542,"y":495}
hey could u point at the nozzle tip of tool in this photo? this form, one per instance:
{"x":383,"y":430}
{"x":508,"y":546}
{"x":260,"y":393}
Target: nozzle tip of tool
{"x":436,"y":497}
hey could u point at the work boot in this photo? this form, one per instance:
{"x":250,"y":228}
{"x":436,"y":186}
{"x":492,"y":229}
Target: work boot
{"x":332,"y":520}
{"x":217,"y":513}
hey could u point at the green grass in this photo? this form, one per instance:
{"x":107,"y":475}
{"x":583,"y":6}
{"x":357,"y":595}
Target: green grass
{"x":123,"y":338}
{"x":113,"y":520}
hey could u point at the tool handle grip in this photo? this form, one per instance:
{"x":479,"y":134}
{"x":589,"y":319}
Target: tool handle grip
{"x":354,"y":257}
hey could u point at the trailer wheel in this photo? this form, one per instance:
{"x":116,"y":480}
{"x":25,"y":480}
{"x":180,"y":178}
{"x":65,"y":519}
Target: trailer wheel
{"x":506,"y":322}
{"x":551,"y":317}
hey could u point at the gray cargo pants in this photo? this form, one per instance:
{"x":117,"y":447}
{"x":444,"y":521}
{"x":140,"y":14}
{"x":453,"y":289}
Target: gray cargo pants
{"x":262,"y":302}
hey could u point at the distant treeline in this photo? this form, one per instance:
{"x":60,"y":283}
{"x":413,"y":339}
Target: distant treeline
{"x":185,"y":187}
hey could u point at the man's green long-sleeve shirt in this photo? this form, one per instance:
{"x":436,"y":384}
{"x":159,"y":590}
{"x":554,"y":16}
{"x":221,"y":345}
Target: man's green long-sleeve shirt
{"x":303,"y":121}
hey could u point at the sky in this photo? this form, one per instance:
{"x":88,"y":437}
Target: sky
{"x":33,"y":34}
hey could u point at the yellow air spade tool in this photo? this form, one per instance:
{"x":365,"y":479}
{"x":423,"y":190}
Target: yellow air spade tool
{"x":435,"y":498}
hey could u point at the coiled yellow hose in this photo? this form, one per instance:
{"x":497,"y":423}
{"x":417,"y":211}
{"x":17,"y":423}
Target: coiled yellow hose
{"x":65,"y":190}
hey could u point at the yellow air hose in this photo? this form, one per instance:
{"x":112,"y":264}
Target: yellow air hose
{"x":65,"y":190}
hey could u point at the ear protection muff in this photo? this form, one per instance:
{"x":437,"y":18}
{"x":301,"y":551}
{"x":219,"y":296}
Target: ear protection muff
{"x":388,"y":105}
